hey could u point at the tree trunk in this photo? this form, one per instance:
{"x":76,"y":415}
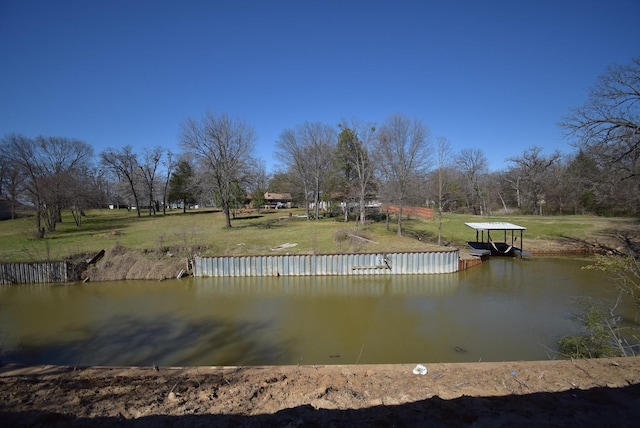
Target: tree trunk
{"x":135,"y":198}
{"x":363,"y":214}
{"x":439,"y":225}
{"x":227,"y":217}
{"x":316,"y":209}
{"x":400,"y":218}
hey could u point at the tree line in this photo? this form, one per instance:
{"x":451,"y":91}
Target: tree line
{"x":341,"y":169}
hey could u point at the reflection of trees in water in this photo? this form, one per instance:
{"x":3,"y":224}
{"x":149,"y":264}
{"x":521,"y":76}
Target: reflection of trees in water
{"x":167,"y":341}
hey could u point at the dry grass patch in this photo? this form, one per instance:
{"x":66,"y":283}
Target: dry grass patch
{"x":119,"y":263}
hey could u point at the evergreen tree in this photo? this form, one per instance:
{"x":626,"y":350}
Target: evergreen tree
{"x":181,"y":185}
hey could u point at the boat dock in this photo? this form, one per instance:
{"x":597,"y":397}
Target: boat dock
{"x":504,"y":241}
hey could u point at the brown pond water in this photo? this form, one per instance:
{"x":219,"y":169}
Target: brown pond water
{"x":505,"y":309}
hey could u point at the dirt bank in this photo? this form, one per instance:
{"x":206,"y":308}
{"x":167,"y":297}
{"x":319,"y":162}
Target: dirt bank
{"x":602,"y":392}
{"x":119,"y":263}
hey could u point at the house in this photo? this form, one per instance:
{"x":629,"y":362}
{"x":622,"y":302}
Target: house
{"x":273,"y":201}
{"x":278,"y":200}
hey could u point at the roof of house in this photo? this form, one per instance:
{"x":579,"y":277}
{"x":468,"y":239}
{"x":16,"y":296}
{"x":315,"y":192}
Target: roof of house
{"x":277,"y":196}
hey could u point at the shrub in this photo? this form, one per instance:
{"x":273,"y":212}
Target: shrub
{"x":599,"y":340}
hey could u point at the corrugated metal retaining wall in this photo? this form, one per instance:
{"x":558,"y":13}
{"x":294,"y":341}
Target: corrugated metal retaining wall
{"x":328,"y":264}
{"x":31,"y":273}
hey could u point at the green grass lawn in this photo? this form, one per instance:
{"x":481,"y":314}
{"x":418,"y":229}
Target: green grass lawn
{"x":260,"y":232}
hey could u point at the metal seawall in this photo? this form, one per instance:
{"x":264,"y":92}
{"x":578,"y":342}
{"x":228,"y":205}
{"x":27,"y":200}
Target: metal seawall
{"x":328,"y":264}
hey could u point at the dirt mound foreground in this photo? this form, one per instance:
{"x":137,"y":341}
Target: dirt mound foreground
{"x":602,"y":392}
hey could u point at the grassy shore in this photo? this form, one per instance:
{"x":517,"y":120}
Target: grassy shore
{"x":261,"y":232}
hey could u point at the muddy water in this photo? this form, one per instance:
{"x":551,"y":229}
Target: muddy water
{"x":503,"y":310}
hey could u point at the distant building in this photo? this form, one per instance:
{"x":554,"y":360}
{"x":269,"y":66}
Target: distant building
{"x":273,"y":201}
{"x":278,"y":200}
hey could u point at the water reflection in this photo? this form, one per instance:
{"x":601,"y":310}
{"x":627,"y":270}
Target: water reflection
{"x":503,"y":310}
{"x":167,"y":341}
{"x":306,"y":286}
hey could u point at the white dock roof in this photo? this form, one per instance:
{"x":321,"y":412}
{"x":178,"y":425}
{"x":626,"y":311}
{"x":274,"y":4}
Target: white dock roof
{"x":495,"y":226}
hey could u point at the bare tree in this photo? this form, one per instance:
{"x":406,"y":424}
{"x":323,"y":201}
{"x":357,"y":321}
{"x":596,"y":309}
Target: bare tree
{"x":513,"y":178}
{"x":260,"y":178}
{"x":290,"y":151}
{"x":169,"y":165}
{"x":610,"y":118}
{"x":443,"y":164}
{"x":534,"y":170}
{"x":52,"y":167}
{"x":403,"y":152}
{"x":124,"y":164}
{"x":319,"y":149}
{"x":13,"y":178}
{"x":355,"y":144}
{"x":607,"y":126}
{"x":148,"y":169}
{"x":21,"y":152}
{"x":308,"y":151}
{"x":83,"y":191}
{"x":225,"y":146}
{"x":259,"y":184}
{"x":4,"y":168}
{"x":474,"y":165}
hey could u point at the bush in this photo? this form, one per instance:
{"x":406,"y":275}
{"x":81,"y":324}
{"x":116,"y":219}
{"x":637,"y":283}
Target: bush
{"x":584,"y":347}
{"x":624,"y":272}
{"x":599,"y":340}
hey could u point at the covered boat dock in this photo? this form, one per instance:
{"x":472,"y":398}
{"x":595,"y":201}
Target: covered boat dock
{"x":502,"y":243}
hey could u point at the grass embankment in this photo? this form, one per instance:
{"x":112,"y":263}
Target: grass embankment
{"x":202,"y":231}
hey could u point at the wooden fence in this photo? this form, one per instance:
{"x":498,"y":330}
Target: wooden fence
{"x":33,"y":273}
{"x":410,"y":211}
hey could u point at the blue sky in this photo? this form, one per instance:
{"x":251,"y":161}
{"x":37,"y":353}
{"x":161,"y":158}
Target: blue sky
{"x":494,"y":75}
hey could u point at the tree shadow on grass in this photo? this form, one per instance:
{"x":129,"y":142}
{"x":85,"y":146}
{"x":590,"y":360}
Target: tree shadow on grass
{"x":247,"y":217}
{"x":90,"y":227}
{"x":266,"y":224}
{"x":202,"y":211}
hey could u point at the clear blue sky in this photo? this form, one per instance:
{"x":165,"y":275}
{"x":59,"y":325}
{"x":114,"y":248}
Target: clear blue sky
{"x":495,"y":75}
